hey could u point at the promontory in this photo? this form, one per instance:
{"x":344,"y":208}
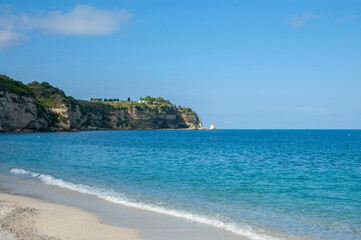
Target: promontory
{"x":42,"y":107}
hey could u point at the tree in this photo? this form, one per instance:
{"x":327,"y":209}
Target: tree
{"x":149,"y":99}
{"x":105,"y":99}
{"x":128,"y":99}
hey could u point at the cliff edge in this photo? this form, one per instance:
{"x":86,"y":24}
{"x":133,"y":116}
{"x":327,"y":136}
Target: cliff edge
{"x":42,"y":107}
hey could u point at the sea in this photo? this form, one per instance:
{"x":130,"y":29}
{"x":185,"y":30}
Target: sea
{"x":262,"y":184}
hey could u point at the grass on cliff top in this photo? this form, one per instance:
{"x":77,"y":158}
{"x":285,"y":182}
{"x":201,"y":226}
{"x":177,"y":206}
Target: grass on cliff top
{"x":161,"y":106}
{"x":47,"y":95}
{"x":10,"y":85}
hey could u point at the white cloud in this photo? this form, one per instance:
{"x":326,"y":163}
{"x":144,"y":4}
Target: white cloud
{"x":82,"y":20}
{"x":9,"y":37}
{"x":346,"y":19}
{"x":300,"y":20}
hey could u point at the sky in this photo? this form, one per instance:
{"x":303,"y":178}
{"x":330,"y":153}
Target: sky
{"x":281,"y":64}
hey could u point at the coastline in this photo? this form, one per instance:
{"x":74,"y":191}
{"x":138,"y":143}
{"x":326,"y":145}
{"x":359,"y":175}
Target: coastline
{"x":90,"y":130}
{"x":132,"y":223}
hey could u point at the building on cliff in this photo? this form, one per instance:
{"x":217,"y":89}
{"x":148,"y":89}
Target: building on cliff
{"x":42,"y":107}
{"x":96,"y":99}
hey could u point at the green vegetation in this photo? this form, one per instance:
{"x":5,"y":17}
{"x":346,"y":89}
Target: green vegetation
{"x":73,"y":103}
{"x":47,"y":95}
{"x":10,"y":85}
{"x":125,"y":114}
{"x":49,"y":116}
{"x":123,"y":123}
{"x":95,"y":107}
{"x":159,"y":101}
{"x":72,"y":100}
{"x":115,"y":99}
{"x":149,"y":105}
{"x":122,"y":104}
{"x":62,"y":119}
{"x":87,"y":123}
{"x":186,"y":109}
{"x":88,"y":108}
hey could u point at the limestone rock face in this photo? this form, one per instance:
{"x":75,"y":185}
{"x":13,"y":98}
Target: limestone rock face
{"x":18,"y":113}
{"x":42,"y":107}
{"x":132,"y":118}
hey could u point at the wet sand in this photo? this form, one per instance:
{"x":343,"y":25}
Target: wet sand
{"x":65,"y":214}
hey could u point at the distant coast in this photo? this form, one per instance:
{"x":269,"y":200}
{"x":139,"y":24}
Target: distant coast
{"x":42,"y":107}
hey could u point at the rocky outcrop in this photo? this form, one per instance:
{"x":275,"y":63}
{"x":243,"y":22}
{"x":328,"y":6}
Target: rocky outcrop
{"x":134,"y":118}
{"x":41,"y":107}
{"x":22,"y":113}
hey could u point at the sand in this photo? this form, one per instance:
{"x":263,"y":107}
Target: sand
{"x":28,"y":218}
{"x":147,"y":224}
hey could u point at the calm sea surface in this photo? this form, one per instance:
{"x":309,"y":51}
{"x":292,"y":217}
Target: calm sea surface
{"x":266,"y":184}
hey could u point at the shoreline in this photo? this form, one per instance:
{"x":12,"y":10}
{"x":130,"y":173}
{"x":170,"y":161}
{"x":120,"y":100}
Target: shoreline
{"x":149,"y":225}
{"x":90,"y":130}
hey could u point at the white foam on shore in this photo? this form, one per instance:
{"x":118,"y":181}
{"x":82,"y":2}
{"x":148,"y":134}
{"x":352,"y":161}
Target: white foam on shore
{"x":23,"y":172}
{"x":117,"y":198}
{"x":19,"y":171}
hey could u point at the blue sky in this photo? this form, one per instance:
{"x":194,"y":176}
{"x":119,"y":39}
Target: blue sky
{"x":238,"y":64}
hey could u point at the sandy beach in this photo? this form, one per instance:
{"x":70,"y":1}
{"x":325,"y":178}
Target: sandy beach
{"x":28,"y":218}
{"x":31,"y":210}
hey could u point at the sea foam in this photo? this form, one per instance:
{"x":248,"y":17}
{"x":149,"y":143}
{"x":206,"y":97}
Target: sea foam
{"x":113,"y":197}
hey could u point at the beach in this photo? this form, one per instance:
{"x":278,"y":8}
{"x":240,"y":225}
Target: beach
{"x":31,"y":210}
{"x":28,"y":218}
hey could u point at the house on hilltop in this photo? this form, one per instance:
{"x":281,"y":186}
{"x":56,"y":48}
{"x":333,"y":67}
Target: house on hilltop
{"x":96,"y":99}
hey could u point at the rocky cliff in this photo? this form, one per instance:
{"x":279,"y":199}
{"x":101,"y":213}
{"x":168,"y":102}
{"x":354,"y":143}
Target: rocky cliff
{"x":42,"y":107}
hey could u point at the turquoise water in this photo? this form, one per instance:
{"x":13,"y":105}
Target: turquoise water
{"x":265,"y":184}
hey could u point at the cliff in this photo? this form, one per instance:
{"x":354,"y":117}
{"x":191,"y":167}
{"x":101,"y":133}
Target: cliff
{"x":42,"y":107}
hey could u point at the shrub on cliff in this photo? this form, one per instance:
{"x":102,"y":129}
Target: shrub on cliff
{"x":47,"y":95}
{"x":10,"y":85}
{"x":156,"y":101}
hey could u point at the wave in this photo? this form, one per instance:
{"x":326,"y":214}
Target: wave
{"x":117,"y":198}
